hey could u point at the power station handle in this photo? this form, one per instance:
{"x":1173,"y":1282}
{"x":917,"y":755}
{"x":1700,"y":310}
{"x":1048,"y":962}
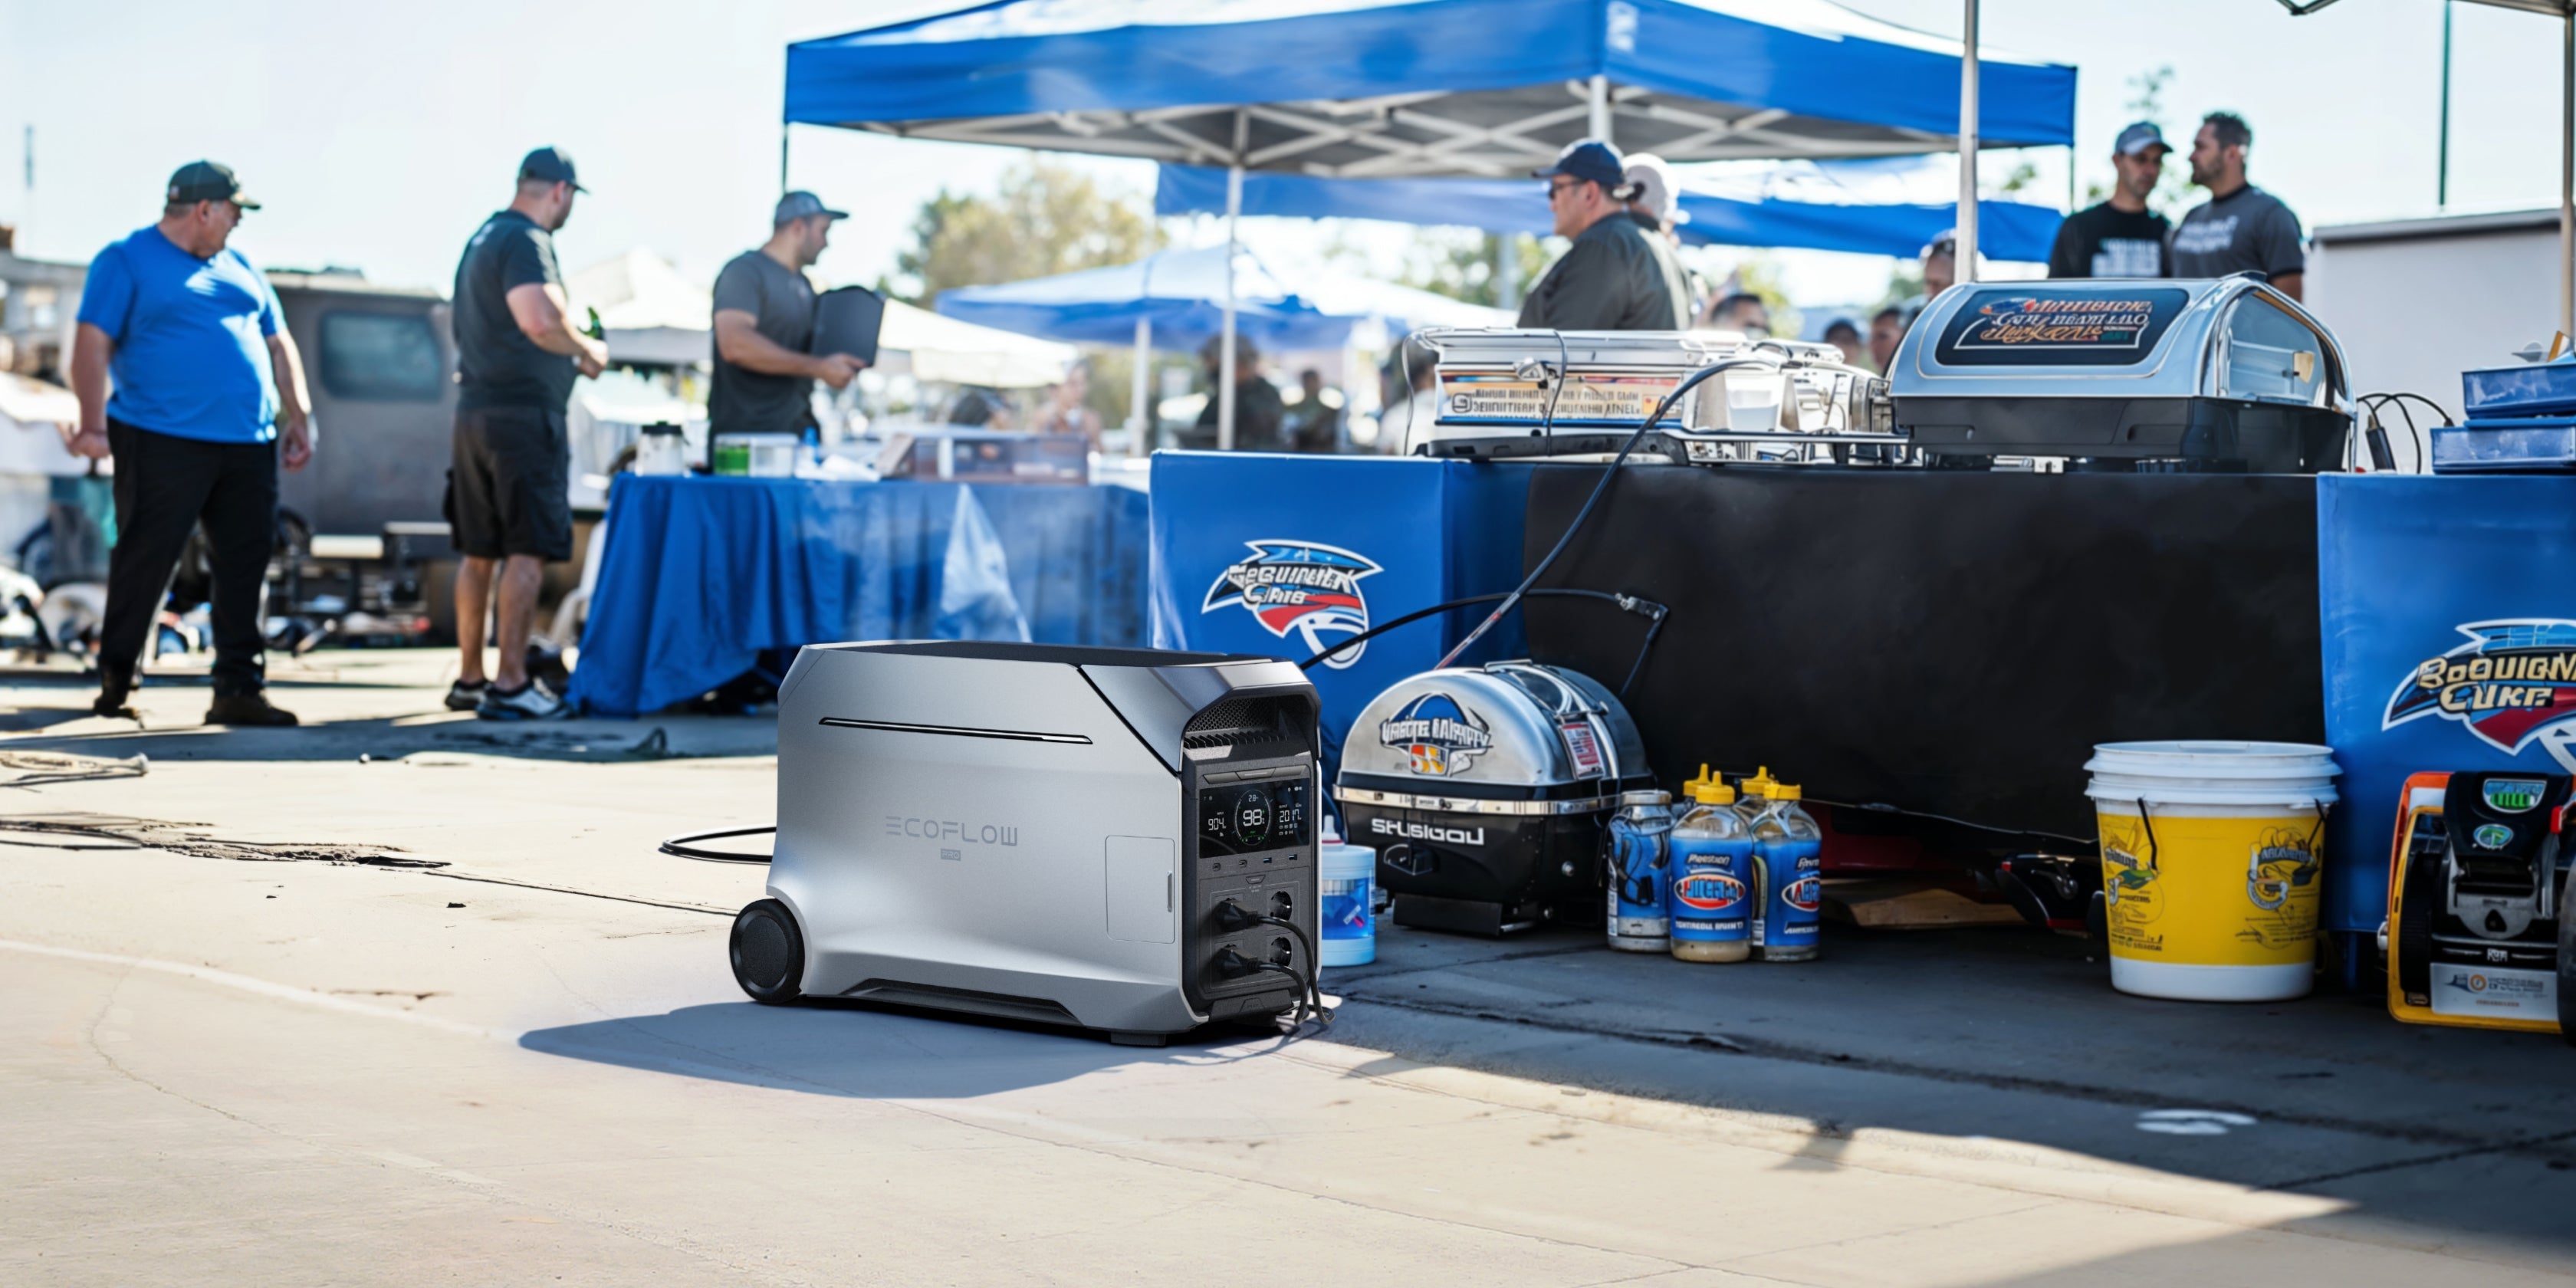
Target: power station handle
{"x":1409,"y":861}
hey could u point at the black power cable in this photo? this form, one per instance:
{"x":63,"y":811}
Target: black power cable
{"x":1233,"y":916}
{"x":1646,"y":608}
{"x":1583,"y":515}
{"x":684,"y":845}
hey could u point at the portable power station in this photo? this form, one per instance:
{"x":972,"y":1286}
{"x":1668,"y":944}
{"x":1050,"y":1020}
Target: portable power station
{"x":1486,"y":791}
{"x":1115,"y":839}
{"x":2478,"y":883}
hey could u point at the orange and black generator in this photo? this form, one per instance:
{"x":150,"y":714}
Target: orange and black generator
{"x":2479,"y":930}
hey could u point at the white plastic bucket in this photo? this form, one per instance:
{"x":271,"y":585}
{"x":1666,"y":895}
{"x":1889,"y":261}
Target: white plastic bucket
{"x":2212,"y":857}
{"x":1346,"y":879}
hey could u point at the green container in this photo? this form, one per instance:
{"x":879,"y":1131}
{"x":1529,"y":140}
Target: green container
{"x":733,"y":457}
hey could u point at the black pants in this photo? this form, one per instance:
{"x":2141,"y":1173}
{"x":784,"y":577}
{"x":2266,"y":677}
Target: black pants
{"x":165,"y":486}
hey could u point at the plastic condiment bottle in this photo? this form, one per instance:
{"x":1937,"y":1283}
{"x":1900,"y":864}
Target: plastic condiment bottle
{"x":1710,"y":899}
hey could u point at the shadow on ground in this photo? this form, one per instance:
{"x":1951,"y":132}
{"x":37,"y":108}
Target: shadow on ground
{"x":2015,"y":1035}
{"x":870,"y":1051}
{"x":395,"y":737}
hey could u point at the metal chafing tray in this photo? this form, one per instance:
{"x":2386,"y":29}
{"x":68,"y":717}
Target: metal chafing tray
{"x":2224,"y":375}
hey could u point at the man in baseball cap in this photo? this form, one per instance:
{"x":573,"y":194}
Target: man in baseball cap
{"x":209,"y":399}
{"x":764,"y":321}
{"x":2120,"y":237}
{"x":1617,"y":276}
{"x":518,"y":350}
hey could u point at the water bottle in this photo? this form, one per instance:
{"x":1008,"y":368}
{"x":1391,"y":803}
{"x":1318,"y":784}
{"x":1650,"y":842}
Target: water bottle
{"x":1709,"y":898}
{"x":1346,"y":912}
{"x":1640,"y":865}
{"x":1787,"y":848}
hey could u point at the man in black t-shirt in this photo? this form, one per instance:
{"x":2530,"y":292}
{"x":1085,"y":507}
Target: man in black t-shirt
{"x":764,"y":319}
{"x":2241,"y":228}
{"x":2120,"y":237}
{"x":517,"y":352}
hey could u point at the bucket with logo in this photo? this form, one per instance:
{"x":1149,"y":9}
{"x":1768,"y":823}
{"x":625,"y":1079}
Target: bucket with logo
{"x":2211,"y":865}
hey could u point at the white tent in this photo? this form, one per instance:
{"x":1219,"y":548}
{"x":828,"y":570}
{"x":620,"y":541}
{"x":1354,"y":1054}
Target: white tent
{"x":654,"y":314}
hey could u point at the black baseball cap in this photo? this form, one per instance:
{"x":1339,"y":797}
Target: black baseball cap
{"x":208,"y":181}
{"x":1593,"y":161}
{"x":801,"y":204}
{"x":2139,"y":137}
{"x":550,"y":165}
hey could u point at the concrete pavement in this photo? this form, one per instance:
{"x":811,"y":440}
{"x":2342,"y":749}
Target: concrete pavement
{"x":444,"y":1016}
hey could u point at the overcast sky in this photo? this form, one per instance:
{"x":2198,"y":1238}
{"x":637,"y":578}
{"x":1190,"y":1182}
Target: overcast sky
{"x":380,"y":135}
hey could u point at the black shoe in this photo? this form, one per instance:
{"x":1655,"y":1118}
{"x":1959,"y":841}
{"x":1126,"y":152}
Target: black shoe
{"x":250,"y":709}
{"x":114,"y":687}
{"x":462,"y":696}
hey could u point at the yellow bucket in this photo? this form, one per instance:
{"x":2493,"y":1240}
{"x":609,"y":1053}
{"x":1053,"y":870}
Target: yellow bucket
{"x":2212,"y":859}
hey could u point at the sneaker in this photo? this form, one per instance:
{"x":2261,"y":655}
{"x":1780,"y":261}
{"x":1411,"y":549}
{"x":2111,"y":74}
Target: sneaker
{"x":250,"y":709}
{"x":114,"y":707}
{"x":530,"y":702}
{"x":462,"y":696}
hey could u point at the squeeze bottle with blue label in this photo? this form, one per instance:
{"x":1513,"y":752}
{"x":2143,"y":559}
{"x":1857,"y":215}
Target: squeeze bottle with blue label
{"x":1787,"y":849}
{"x":1710,"y":897}
{"x":1640,"y":868}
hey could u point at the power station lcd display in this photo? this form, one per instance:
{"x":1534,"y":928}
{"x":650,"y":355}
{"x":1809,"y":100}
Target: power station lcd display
{"x":1254,"y":817}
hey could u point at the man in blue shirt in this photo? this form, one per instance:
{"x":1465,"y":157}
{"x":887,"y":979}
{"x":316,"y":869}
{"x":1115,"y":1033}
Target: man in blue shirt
{"x":209,"y":394}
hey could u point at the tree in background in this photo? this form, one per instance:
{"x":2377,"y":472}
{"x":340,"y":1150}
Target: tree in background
{"x":1459,"y":263}
{"x":1044,"y":219}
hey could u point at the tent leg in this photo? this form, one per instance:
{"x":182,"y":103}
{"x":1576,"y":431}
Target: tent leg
{"x":1966,"y":257}
{"x":1507,"y":270}
{"x":1225,"y":376}
{"x":782,"y":159}
{"x":1600,"y":123}
{"x":1140,"y":416}
{"x":2567,"y":178}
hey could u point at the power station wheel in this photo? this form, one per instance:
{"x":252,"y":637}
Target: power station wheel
{"x":768,"y":952}
{"x":2567,"y":959}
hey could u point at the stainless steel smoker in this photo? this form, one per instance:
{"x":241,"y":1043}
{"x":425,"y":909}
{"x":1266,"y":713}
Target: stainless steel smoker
{"x":2219,"y":376}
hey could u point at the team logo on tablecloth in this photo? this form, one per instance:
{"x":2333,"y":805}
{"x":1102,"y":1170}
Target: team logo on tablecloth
{"x":1302,"y":586}
{"x":2512,"y":684}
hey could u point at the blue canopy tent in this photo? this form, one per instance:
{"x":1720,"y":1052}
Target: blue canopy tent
{"x":2013,"y":230}
{"x":1422,"y":88}
{"x":1178,"y":298}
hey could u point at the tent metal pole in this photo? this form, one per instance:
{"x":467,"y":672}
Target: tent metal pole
{"x":2567,"y":176}
{"x":1600,"y":122}
{"x":1225,"y":356}
{"x":1507,"y":270}
{"x":1140,"y":418}
{"x":2442,"y":171}
{"x":782,"y":158}
{"x":1966,"y":255}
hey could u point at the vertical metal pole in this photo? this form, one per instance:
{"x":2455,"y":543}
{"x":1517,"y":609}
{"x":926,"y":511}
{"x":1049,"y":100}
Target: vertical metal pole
{"x":2442,"y":176}
{"x":1140,"y":416}
{"x":1966,"y":255}
{"x":1225,"y":356}
{"x":782,"y":158}
{"x":2567,"y":177}
{"x":1600,"y":123}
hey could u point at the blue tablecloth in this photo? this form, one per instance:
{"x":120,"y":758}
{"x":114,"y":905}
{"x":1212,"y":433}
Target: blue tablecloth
{"x":700,"y":575}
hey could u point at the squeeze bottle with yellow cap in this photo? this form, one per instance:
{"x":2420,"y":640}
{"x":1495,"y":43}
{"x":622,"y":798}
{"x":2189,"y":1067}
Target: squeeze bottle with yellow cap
{"x":1788,"y":877}
{"x":1710,"y":902}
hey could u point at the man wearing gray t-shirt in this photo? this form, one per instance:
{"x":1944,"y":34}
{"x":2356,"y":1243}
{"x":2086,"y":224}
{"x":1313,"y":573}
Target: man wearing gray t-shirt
{"x":764,"y":317}
{"x":2241,"y":227}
